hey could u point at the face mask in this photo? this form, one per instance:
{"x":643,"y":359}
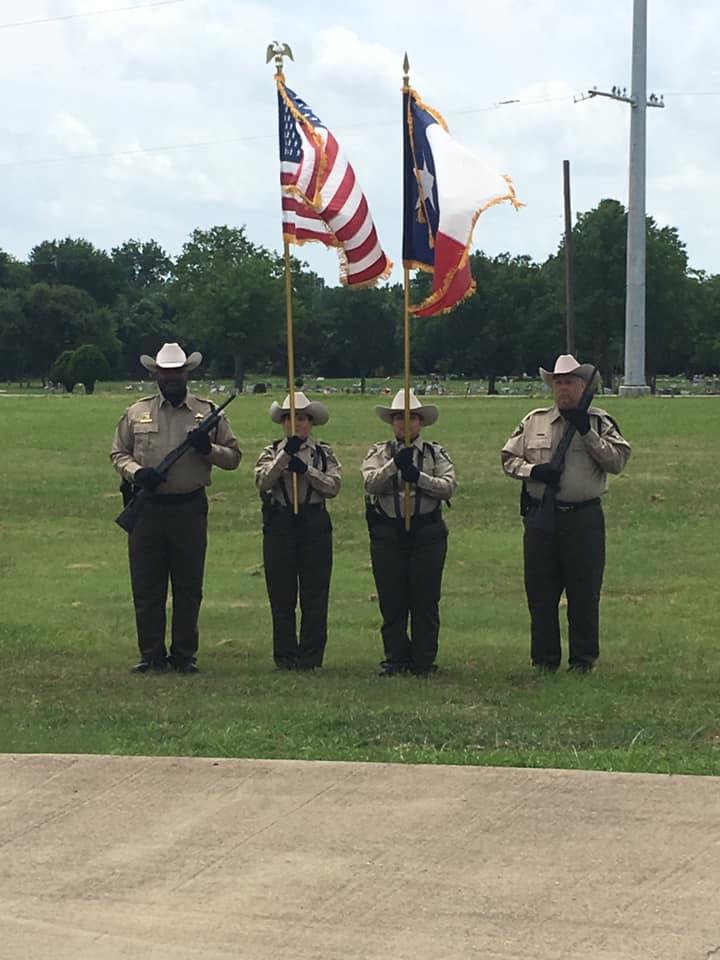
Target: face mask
{"x":174,"y":391}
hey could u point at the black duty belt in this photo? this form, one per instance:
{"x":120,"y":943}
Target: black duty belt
{"x":563,"y":506}
{"x":419,"y":520}
{"x":302,"y":507}
{"x":173,"y":499}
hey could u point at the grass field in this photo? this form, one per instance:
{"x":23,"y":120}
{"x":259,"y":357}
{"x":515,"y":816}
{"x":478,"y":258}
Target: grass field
{"x":67,"y":631}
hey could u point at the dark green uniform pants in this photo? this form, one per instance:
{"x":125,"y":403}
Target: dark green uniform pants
{"x":168,"y":544}
{"x":408,"y":570}
{"x":571,"y":559}
{"x":297,"y":553}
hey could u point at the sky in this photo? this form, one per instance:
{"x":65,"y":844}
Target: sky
{"x":139,"y":119}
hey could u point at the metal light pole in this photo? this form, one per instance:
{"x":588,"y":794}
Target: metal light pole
{"x":634,"y":385}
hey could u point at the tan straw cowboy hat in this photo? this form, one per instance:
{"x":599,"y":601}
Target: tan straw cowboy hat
{"x":428,"y":414}
{"x":318,"y":412}
{"x":171,"y":356}
{"x":567,"y":366}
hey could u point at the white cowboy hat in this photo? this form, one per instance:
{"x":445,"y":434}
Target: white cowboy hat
{"x":171,"y":356}
{"x":317,"y":411}
{"x":428,"y":414}
{"x":567,"y":366}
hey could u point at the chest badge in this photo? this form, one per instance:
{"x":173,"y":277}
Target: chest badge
{"x":199,"y":417}
{"x":145,"y":418}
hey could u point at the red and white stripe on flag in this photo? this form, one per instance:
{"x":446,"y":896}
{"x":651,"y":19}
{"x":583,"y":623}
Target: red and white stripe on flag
{"x":322,"y":200}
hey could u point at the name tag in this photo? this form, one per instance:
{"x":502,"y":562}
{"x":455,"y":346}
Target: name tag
{"x":145,"y":418}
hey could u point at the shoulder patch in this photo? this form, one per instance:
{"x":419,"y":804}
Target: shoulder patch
{"x":444,"y":452}
{"x":614,"y":424}
{"x":518,"y":430}
{"x":534,"y":412}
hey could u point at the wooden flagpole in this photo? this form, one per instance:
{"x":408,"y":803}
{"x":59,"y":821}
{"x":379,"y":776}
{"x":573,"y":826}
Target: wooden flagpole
{"x":290,"y":360}
{"x":278,"y":51}
{"x":406,"y":321}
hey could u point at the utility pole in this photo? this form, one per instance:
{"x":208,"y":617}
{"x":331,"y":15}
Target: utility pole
{"x":634,"y":385}
{"x":569,"y":268}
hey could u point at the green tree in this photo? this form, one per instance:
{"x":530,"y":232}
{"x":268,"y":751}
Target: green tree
{"x":76,"y":263}
{"x":141,"y":264}
{"x":61,"y":371}
{"x":599,"y":245}
{"x":668,"y":303}
{"x":14,"y":274}
{"x":359,"y":332}
{"x":483,"y":336}
{"x":704,"y":334}
{"x":58,"y":318}
{"x":15,"y":341}
{"x":229,"y":297}
{"x":88,"y":365}
{"x":143,"y":325}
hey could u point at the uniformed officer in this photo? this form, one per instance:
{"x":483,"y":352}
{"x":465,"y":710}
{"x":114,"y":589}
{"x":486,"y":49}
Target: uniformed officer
{"x":572,"y":558}
{"x":408,"y":565}
{"x":170,"y":537}
{"x":297,"y":548}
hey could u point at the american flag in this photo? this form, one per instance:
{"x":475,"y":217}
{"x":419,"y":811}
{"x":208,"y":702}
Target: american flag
{"x":321,"y":199}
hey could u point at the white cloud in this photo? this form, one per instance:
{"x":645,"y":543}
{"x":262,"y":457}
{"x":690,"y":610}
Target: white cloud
{"x":195,"y":72}
{"x":72,"y":133}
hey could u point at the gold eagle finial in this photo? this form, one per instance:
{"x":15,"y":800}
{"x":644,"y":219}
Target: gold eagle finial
{"x":278,"y":51}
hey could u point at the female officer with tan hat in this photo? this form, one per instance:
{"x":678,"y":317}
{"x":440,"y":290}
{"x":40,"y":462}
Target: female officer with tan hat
{"x":170,"y":539}
{"x":572,"y":556}
{"x":297,"y":548}
{"x":408,"y":564}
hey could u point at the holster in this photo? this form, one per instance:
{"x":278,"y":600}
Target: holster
{"x":270,"y":507}
{"x":526,"y":501}
{"x":127,"y":491}
{"x":371,"y":515}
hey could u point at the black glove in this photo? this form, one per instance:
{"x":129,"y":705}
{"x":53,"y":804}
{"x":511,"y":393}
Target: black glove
{"x":297,"y":465}
{"x":200,"y":441}
{"x":292,"y":445}
{"x":410,"y":473}
{"x":148,"y":478}
{"x":580,"y":419}
{"x":403,"y":457}
{"x":545,"y":473}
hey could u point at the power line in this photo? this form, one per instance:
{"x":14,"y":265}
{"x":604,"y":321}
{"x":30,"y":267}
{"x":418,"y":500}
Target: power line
{"x":135,"y":151}
{"x":193,"y":144}
{"x":92,"y":13}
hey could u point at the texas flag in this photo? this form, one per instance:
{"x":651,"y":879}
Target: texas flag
{"x":446,"y":188}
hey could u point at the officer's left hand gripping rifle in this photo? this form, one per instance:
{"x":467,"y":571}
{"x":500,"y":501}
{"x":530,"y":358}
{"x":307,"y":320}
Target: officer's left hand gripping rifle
{"x":129,"y":516}
{"x":542,"y":516}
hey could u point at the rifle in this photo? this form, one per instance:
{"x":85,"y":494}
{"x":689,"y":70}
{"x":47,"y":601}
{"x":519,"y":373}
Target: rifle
{"x":542,"y":517}
{"x":129,"y":516}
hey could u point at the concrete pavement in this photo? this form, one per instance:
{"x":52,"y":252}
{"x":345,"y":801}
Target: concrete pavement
{"x":103,"y":858}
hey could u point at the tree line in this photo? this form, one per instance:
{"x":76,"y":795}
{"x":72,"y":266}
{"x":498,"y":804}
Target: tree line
{"x":224,"y":295}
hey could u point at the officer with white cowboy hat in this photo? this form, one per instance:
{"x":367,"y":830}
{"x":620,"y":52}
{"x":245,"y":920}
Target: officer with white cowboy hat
{"x":408,"y":564}
{"x":297,"y":547}
{"x":572,"y":557}
{"x":168,"y":543}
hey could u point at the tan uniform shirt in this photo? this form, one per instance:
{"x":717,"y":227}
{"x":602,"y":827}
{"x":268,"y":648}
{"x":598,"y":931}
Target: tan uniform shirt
{"x":385,"y":484}
{"x":589,"y":459}
{"x":314,"y":486}
{"x":152,"y":427}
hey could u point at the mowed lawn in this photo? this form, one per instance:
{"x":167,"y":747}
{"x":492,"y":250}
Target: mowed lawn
{"x":67,"y":630}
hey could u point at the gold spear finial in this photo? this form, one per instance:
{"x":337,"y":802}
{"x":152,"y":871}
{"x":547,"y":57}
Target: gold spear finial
{"x":278,"y":50}
{"x":406,"y":70}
